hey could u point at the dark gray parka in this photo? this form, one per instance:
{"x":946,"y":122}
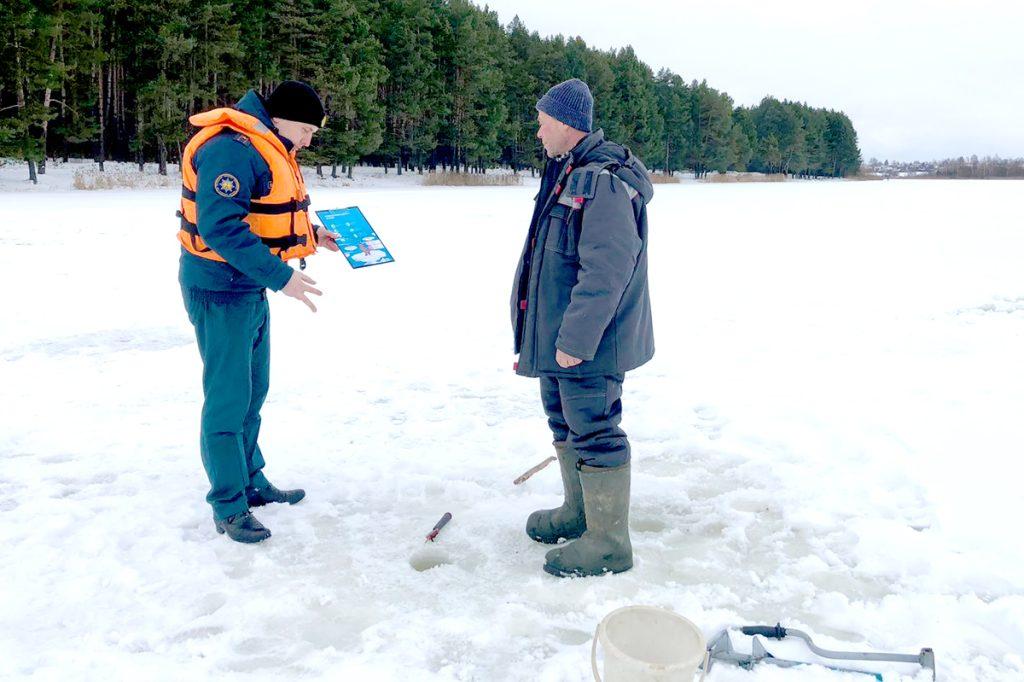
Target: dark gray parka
{"x":581,"y":284}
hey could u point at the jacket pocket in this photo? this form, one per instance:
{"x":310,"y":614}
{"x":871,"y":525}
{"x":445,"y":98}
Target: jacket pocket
{"x":560,"y":237}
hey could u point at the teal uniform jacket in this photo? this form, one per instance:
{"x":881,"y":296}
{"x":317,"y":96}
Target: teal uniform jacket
{"x":250,"y":266}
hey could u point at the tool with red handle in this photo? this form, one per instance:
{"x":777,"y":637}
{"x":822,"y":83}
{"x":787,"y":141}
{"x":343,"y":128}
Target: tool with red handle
{"x":438,"y":526}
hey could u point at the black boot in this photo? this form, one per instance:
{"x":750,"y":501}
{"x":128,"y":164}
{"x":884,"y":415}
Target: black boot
{"x":242,"y":527}
{"x":260,"y":496}
{"x":605,"y":546}
{"x":551,"y":525}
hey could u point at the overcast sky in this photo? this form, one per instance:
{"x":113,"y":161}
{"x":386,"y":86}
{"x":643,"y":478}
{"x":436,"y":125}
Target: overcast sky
{"x":920,"y":80}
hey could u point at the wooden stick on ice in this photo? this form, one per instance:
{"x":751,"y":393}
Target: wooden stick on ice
{"x":534,"y":470}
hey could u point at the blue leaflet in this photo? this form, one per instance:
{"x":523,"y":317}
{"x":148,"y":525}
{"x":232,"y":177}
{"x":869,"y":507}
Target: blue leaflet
{"x":356,"y":238}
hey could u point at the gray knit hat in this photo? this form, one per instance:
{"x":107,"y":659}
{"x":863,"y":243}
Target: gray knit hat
{"x":571,"y":103}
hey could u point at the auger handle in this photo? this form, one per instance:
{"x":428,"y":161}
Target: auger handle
{"x":773,"y":631}
{"x":438,"y":526}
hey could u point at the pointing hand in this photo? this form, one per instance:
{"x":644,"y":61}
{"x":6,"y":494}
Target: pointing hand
{"x":298,"y":286}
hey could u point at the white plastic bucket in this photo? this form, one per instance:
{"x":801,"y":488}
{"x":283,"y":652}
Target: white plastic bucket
{"x":647,"y":644}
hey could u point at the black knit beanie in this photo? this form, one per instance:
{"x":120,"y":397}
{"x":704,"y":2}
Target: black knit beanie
{"x":296,"y":101}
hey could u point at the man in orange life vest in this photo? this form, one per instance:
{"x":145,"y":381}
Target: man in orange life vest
{"x":244,"y":214}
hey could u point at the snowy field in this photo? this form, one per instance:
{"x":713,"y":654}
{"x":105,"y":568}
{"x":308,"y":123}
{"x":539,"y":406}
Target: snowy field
{"x":830,"y":435}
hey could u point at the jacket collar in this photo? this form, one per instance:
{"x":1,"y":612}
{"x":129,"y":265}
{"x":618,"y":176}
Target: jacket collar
{"x":585,"y":146}
{"x":574,"y":159}
{"x":254,"y":105}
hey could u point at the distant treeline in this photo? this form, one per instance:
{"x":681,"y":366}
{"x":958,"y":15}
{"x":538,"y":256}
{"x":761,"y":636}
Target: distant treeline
{"x":982,"y":169}
{"x":989,"y":167}
{"x":408,"y":84}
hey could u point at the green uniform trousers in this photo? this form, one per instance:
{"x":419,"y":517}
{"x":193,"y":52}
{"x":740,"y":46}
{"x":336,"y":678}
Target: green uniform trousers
{"x":233,"y":332}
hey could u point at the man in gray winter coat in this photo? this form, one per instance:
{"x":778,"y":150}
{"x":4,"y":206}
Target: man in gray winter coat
{"x":581,"y":316}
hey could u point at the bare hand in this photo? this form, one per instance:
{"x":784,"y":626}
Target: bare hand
{"x":565,"y":361}
{"x":325,"y":238}
{"x":298,"y":286}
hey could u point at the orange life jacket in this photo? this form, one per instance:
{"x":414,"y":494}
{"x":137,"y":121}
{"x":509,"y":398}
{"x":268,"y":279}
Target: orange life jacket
{"x":280,"y":219}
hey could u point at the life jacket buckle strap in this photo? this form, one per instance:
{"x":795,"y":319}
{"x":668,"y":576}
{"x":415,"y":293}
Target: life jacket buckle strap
{"x":284,"y":242}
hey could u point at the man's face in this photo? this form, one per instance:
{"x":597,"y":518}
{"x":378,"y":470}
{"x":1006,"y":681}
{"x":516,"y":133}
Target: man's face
{"x":299,"y":134}
{"x":553,"y":134}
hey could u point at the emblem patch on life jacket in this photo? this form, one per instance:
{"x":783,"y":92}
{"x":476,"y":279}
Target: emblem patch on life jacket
{"x":226,"y":185}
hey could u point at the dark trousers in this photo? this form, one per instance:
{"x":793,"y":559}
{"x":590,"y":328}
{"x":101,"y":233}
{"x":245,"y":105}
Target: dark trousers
{"x":234,"y":343}
{"x":586,"y":412}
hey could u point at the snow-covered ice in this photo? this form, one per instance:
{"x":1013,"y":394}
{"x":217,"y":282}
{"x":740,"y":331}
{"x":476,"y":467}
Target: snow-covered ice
{"x":830,"y":435}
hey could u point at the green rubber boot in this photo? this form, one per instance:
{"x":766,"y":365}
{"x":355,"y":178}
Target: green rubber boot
{"x":551,"y":525}
{"x":605,"y":546}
